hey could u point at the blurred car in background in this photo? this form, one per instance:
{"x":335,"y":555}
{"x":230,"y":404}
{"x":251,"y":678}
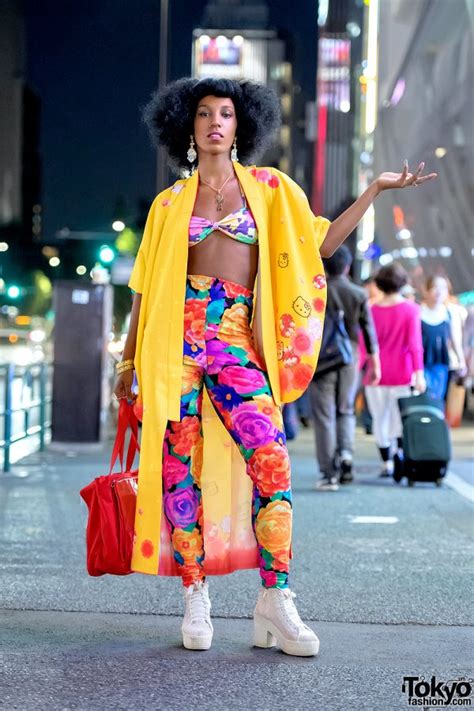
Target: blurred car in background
{"x":26,"y":344}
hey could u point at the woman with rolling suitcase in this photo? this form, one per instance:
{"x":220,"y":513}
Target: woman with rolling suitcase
{"x":398,"y":327}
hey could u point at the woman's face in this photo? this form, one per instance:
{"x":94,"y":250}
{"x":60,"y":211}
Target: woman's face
{"x":215,"y":125}
{"x":438,"y":292}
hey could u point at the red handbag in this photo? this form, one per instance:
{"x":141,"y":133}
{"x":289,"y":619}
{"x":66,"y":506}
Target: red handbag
{"x":111,"y":501}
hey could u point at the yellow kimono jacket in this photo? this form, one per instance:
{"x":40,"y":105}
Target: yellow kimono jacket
{"x":290,"y":299}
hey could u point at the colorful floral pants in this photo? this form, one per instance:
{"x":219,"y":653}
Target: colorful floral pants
{"x":219,"y":353}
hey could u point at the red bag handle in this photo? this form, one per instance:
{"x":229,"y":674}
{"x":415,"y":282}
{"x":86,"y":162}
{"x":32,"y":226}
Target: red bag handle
{"x":126,"y":419}
{"x":133,"y":445}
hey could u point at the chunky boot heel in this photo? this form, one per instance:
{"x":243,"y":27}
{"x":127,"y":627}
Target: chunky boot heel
{"x":262,"y":637}
{"x":276,"y":621}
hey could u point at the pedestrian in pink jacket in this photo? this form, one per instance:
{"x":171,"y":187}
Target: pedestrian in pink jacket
{"x":398,"y":327}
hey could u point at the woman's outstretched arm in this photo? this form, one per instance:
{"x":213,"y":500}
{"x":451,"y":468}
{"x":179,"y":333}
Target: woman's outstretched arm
{"x":343,"y":225}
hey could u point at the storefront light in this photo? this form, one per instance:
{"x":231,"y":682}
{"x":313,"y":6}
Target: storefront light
{"x":403,"y":234}
{"x":368,"y":226}
{"x":323,"y":10}
{"x":398,"y":91}
{"x":353,"y":29}
{"x":409,"y":252}
{"x":37,"y":335}
{"x":372,"y":67}
{"x":445,"y":251}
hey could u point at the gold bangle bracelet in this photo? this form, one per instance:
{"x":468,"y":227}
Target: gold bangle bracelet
{"x":124,"y":368}
{"x":124,"y":364}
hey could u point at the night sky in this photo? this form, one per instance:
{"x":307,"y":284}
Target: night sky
{"x":94,"y":64}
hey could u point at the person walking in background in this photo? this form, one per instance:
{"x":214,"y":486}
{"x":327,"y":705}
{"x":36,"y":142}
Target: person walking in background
{"x":333,"y":393}
{"x":373,"y":293}
{"x":458,"y":317}
{"x":468,"y":341}
{"x":437,"y":329}
{"x":398,"y":327}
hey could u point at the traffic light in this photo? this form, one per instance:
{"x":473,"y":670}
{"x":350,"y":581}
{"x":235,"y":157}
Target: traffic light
{"x":13,"y":291}
{"x":106,"y":254}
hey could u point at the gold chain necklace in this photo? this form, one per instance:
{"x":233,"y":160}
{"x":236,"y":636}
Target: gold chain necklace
{"x":218,"y":191}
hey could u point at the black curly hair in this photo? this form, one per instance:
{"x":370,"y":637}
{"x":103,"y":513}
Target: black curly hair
{"x":170,"y":114}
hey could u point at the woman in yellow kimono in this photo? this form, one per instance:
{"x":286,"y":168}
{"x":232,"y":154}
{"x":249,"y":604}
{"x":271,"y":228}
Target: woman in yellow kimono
{"x":226,"y":325}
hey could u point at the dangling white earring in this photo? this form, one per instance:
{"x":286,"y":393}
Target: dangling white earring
{"x":191,"y":155}
{"x":233,"y":153}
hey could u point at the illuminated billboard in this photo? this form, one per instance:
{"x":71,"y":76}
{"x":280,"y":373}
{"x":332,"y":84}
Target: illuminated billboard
{"x":334,"y":74}
{"x":233,"y":56}
{"x":218,"y":56}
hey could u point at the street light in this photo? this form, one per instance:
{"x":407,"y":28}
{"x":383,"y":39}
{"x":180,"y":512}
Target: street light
{"x":106,"y":254}
{"x":13,"y":291}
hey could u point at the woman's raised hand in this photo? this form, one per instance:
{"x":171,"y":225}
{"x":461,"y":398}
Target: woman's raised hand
{"x":405,"y":179}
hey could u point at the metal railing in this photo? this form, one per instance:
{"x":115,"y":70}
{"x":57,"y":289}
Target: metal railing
{"x":27,"y":405}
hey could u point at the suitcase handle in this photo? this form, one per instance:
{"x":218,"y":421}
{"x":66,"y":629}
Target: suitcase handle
{"x":425,"y":409}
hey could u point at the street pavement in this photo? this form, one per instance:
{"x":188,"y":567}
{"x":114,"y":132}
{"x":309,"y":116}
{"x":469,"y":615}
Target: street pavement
{"x":383,"y":574}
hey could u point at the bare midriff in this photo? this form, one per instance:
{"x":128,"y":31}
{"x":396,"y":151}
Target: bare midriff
{"x":219,"y":255}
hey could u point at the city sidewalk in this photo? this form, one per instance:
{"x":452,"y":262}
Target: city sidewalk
{"x":382,"y":573}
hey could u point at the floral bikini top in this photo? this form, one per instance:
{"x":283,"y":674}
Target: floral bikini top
{"x":239,"y":225}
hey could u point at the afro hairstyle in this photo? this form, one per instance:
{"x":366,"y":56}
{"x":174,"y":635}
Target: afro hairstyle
{"x":170,"y":113}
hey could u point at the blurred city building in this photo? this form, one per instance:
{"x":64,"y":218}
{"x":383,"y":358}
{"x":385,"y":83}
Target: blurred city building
{"x":423,"y":111}
{"x":338,"y":104}
{"x":12,"y":59}
{"x":20,"y":164}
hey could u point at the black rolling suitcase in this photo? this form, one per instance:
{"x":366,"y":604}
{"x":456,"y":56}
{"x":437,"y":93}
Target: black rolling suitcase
{"x":426,"y":440}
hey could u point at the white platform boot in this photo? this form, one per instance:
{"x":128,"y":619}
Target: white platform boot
{"x":277,"y":622}
{"x":197,"y":627}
